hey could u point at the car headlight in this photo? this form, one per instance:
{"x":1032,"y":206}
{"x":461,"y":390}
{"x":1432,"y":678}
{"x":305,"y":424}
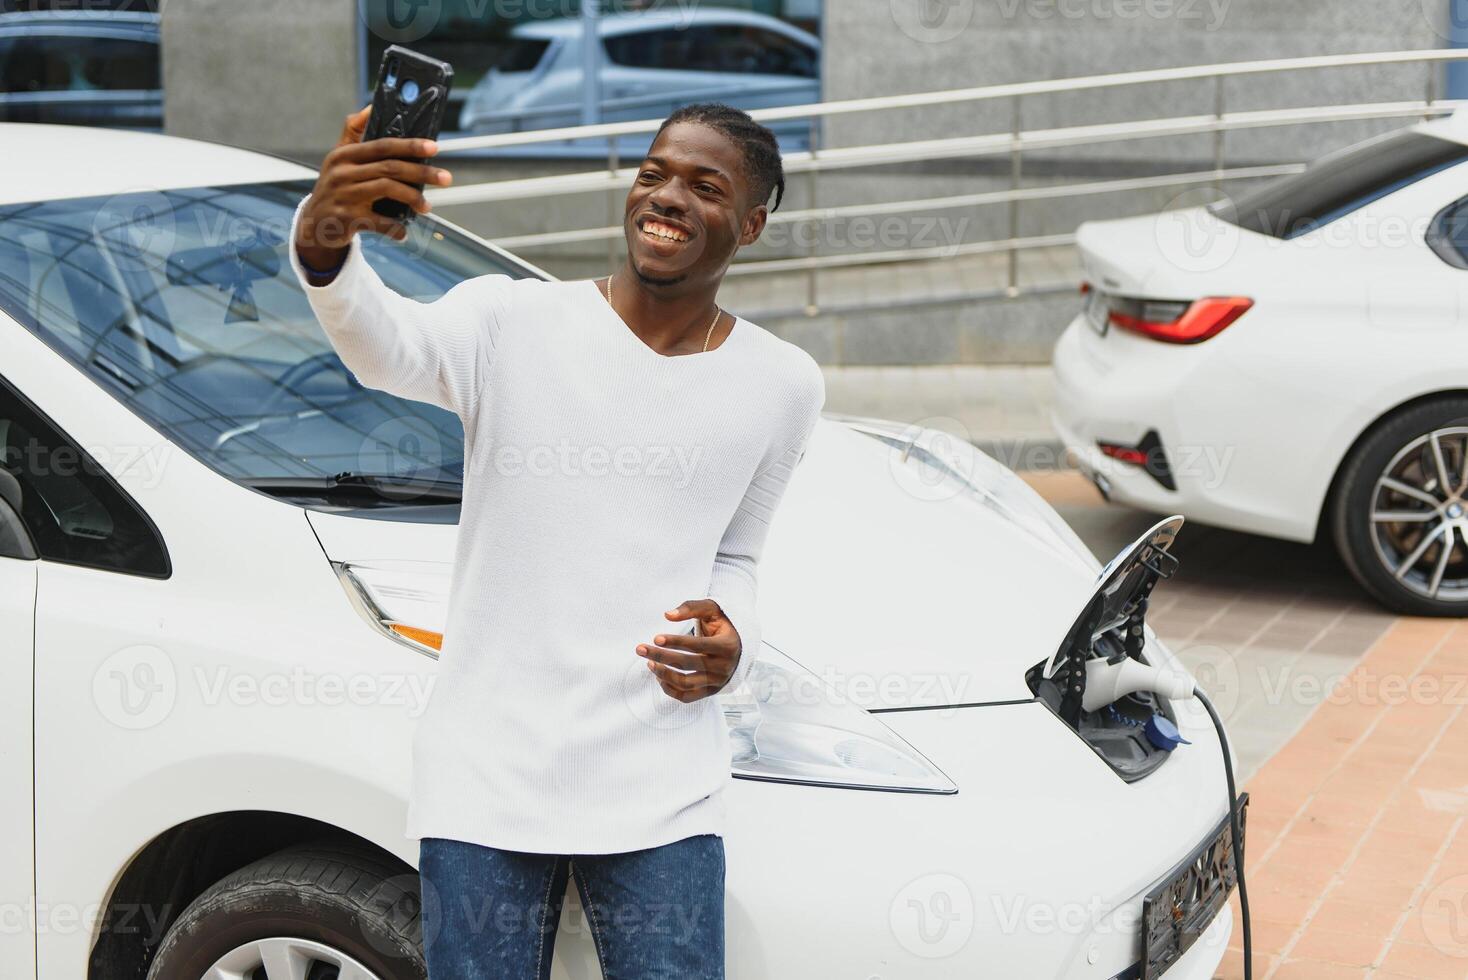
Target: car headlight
{"x":787,"y":725}
{"x":406,"y":601}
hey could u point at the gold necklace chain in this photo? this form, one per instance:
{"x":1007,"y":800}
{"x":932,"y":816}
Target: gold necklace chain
{"x":707,"y":337}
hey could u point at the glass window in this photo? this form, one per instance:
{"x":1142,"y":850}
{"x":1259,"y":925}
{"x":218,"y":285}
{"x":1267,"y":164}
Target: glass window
{"x":78,"y":63}
{"x":651,"y":49}
{"x":518,"y":54}
{"x":1338,"y":184}
{"x":74,"y":511}
{"x":724,"y":48}
{"x":1447,"y":236}
{"x":753,"y":51}
{"x":183,"y":304}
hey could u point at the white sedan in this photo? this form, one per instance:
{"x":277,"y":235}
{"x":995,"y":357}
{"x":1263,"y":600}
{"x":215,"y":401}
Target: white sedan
{"x":1293,"y":363}
{"x":223,"y":572}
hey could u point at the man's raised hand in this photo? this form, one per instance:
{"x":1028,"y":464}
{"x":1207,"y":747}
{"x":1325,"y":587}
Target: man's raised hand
{"x":353,"y":175}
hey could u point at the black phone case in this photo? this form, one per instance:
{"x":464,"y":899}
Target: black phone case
{"x":392,"y":115}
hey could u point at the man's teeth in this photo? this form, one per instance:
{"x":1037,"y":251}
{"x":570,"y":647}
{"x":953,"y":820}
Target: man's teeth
{"x":659,"y":230}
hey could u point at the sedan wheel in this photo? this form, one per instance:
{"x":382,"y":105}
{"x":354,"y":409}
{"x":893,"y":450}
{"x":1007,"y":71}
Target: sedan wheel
{"x":309,"y":912}
{"x":287,"y":959}
{"x":1401,"y":510}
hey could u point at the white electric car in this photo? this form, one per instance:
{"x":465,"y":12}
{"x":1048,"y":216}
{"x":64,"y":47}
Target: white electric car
{"x":223,"y":572}
{"x":1293,"y":362}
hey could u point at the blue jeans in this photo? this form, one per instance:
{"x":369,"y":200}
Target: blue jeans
{"x":654,"y":914}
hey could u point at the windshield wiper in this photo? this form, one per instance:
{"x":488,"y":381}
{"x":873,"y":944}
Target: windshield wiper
{"x":399,"y":489}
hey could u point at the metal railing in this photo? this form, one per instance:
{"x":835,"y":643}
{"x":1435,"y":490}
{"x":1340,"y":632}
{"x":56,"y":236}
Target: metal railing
{"x":1013,"y":143}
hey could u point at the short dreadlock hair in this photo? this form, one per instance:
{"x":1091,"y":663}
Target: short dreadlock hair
{"x":762,"y":165}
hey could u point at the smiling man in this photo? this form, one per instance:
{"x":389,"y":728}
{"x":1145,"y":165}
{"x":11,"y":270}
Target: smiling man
{"x":599,"y":601}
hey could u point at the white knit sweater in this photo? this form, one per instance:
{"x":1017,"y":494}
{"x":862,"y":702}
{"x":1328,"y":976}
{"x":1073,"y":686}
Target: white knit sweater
{"x":603,"y":483}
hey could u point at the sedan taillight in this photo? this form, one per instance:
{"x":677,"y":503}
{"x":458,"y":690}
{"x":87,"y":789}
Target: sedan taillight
{"x":1177,"y":322}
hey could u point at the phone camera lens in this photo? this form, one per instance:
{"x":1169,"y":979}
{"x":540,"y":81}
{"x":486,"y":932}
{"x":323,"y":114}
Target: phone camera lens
{"x":390,"y":78}
{"x":410,"y":91}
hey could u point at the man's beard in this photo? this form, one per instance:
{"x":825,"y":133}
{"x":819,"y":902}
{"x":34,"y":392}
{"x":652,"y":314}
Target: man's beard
{"x":654,"y":281}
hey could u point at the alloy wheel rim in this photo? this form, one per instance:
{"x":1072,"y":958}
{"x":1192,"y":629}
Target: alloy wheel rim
{"x":1419,"y":515}
{"x":286,"y":958}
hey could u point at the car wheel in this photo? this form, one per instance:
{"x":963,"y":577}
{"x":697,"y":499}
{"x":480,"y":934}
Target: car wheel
{"x":305,"y":913}
{"x":1400,"y":514}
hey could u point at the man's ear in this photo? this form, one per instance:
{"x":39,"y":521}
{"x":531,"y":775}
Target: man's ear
{"x":754,"y":225}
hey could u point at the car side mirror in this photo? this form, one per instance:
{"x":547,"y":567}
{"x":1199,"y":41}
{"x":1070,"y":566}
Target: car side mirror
{"x":15,"y":539}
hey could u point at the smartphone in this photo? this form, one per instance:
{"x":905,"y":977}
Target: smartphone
{"x":410,"y":98}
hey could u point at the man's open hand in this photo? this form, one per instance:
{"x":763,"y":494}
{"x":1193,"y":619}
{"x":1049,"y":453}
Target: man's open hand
{"x":353,"y":175}
{"x":704,"y":663}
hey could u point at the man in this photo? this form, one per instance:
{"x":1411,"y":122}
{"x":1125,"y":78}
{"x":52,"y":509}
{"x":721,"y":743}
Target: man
{"x":572,"y":730}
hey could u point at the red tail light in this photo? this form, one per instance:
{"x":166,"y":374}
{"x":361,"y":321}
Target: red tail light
{"x":1177,"y":322}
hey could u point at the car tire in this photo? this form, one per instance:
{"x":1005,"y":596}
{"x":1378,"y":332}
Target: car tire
{"x":329,"y":905}
{"x":1391,"y":559}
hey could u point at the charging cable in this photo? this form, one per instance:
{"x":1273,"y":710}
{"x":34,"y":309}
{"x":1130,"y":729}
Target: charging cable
{"x":1106,"y":682}
{"x":1235,"y":830}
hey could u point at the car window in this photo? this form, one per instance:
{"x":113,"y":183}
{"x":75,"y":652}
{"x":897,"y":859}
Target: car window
{"x":183,"y":305}
{"x":1447,"y":236}
{"x":74,"y":63}
{"x":74,"y":511}
{"x":753,"y":50}
{"x":721,"y":48}
{"x":1338,"y":184}
{"x":516,"y":53}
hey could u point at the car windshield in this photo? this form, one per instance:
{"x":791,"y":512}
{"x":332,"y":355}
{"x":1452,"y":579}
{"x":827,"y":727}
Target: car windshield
{"x":1336,"y":185}
{"x":183,"y":304}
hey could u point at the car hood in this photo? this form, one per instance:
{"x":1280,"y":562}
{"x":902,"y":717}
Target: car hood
{"x":897,"y":589}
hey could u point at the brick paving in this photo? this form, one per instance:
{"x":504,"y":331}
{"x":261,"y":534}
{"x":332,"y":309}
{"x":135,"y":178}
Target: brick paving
{"x":1357,"y":855}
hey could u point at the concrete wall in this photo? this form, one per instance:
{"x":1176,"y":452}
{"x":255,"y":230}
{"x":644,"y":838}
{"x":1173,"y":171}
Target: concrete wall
{"x":274,"y":75}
